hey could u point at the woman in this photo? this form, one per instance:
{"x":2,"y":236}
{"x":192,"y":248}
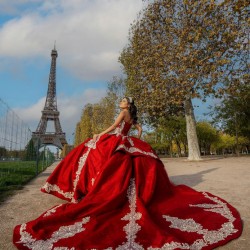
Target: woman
{"x":120,"y":197}
{"x":128,"y":114}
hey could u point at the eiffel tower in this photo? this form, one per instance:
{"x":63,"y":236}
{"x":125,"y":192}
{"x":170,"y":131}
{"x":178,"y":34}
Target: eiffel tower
{"x":50,"y":113}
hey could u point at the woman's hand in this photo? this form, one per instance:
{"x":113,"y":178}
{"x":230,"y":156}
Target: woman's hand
{"x":95,"y":137}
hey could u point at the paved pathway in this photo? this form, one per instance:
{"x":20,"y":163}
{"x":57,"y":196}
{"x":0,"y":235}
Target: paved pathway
{"x":228,"y":178}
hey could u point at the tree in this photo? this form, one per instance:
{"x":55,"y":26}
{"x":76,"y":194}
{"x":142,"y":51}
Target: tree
{"x":66,"y":149}
{"x":3,"y":152}
{"x":95,"y":118}
{"x":103,"y":114}
{"x":116,"y":89}
{"x":84,"y":127}
{"x":232,"y":115}
{"x":167,"y":134}
{"x":157,"y":143}
{"x":31,"y":151}
{"x":173,"y":132}
{"x":207,"y":135}
{"x":181,"y":49}
{"x":77,"y":139}
{"x":226,"y":144}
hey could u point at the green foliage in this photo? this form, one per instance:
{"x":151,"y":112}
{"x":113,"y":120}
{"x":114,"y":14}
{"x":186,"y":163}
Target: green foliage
{"x":232,"y":115}
{"x":99,"y":116}
{"x":30,"y":151}
{"x":228,"y":144}
{"x":207,"y":135}
{"x":116,"y":89}
{"x":171,"y":134}
{"x":167,"y":133}
{"x":3,"y":152}
{"x":13,"y":175}
{"x":157,"y":143}
{"x":95,"y":118}
{"x":17,"y":154}
{"x":84,"y":127}
{"x":169,"y":137}
{"x":66,"y":149}
{"x":179,"y":48}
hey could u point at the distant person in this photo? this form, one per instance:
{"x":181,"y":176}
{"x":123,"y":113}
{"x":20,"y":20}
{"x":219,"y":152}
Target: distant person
{"x":120,"y":197}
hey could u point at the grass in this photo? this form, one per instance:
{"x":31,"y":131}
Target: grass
{"x":14,"y":175}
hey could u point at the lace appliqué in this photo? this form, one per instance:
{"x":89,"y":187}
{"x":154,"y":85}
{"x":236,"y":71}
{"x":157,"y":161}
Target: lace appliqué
{"x":110,"y":248}
{"x":63,"y":248}
{"x":132,"y":227}
{"x":51,"y":211}
{"x":172,"y":246}
{"x":91,"y":144}
{"x":81,"y":163}
{"x":134,"y":150}
{"x":53,"y":187}
{"x":130,"y":141}
{"x":62,"y":233}
{"x":118,"y":130}
{"x":209,"y":237}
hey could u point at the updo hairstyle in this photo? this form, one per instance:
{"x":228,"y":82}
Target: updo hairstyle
{"x":132,"y":109}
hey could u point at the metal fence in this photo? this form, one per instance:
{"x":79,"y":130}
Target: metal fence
{"x":19,"y":161}
{"x":14,"y":133}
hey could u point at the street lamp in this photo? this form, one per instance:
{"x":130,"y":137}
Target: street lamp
{"x":37,"y":154}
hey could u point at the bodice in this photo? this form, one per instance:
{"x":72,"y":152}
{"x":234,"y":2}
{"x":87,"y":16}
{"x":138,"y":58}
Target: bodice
{"x":123,"y":128}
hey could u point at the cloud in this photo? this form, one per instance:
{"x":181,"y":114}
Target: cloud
{"x":32,"y":114}
{"x":70,"y":109}
{"x":89,"y":34}
{"x":13,"y":7}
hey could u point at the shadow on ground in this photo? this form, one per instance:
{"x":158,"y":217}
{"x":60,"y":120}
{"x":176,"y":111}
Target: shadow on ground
{"x":190,"y":180}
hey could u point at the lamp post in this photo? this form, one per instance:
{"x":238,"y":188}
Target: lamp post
{"x":37,"y":154}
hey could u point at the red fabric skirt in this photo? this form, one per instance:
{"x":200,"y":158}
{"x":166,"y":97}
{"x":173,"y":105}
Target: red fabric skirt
{"x":120,"y":197}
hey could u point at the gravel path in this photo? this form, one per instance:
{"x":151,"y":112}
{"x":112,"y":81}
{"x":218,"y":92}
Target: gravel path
{"x":228,"y":178}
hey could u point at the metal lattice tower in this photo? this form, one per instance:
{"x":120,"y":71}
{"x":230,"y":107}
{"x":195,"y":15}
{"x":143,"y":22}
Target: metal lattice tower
{"x":50,"y":113}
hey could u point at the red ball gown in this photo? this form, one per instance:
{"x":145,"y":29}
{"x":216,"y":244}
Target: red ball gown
{"x":120,"y":198}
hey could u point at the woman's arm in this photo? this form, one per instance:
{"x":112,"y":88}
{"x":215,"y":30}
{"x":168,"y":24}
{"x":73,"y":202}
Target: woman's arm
{"x":112,"y":127}
{"x":139,"y":128}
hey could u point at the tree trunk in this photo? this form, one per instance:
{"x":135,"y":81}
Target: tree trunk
{"x":185,"y":149}
{"x":178,"y":147}
{"x":193,"y":145}
{"x":171,"y":150}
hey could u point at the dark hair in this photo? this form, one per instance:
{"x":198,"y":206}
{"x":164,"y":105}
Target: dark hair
{"x":132,"y":109}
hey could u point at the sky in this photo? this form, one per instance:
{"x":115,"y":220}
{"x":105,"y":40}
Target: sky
{"x":89,"y":36}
